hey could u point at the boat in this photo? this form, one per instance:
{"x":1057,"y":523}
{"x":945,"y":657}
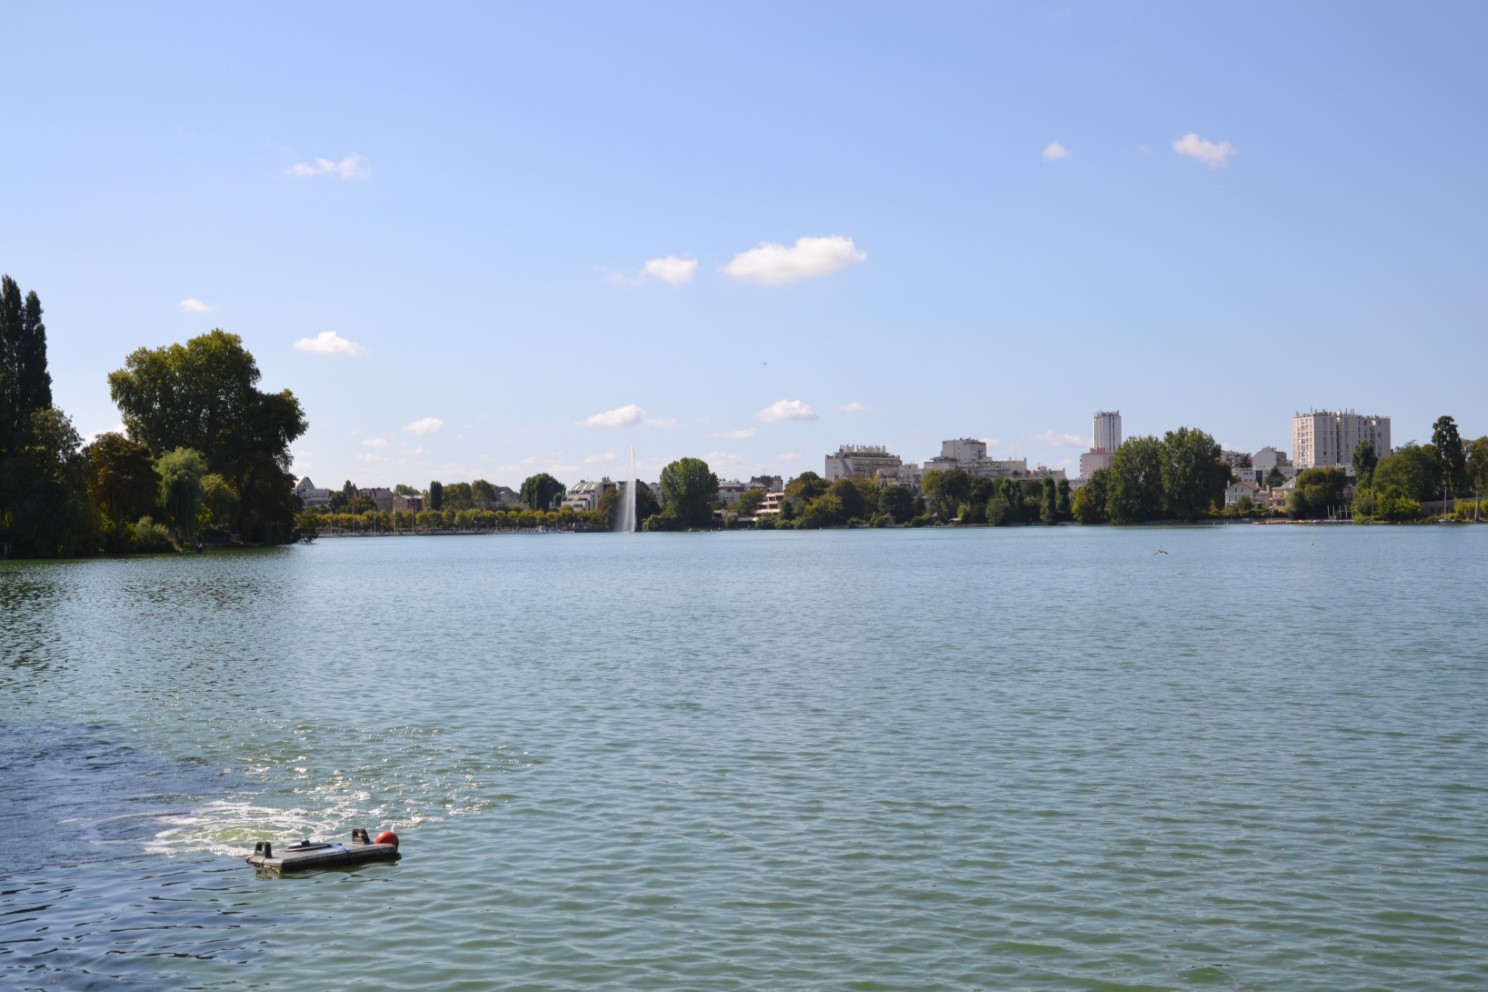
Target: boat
{"x":297,"y":857}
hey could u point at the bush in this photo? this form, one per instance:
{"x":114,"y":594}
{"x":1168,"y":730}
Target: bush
{"x":148,"y":537}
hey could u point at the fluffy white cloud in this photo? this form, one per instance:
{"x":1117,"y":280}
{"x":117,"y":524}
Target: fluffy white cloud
{"x":722,"y":462}
{"x":1054,"y":151}
{"x":1211,"y":154}
{"x":602,"y":459}
{"x":1058,"y":440}
{"x":854,"y":407}
{"x":628,"y":415}
{"x":785,"y":410}
{"x":374,"y":442}
{"x":672,"y":270}
{"x":350,"y":167}
{"x":738,"y":435}
{"x":328,"y":343}
{"x":772,"y":264}
{"x":190,"y":305}
{"x":429,"y":425}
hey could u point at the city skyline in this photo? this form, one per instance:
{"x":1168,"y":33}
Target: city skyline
{"x":534,"y":238}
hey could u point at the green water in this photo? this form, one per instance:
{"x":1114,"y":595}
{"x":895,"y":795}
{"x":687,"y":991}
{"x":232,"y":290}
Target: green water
{"x":999,"y":759}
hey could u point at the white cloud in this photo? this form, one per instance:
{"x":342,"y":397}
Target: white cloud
{"x":602,"y":459}
{"x":192,"y":305}
{"x":789,"y":456}
{"x":854,"y":407}
{"x":773,"y":265}
{"x":672,"y":270}
{"x":1054,"y":151}
{"x":628,"y":415}
{"x":328,"y":343}
{"x":429,"y":425}
{"x":785,"y":410}
{"x":350,"y":167}
{"x":722,"y":462}
{"x":415,"y":452}
{"x":118,"y":428}
{"x":1058,"y":440}
{"x":1211,"y":154}
{"x":373,"y":458}
{"x":738,"y":435}
{"x":375,"y":442}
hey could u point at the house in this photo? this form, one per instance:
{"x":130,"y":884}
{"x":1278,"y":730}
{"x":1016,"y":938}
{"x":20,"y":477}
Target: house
{"x":1243,"y":488}
{"x":309,"y":495}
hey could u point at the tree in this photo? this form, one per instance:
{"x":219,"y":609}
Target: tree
{"x":1448,"y":445}
{"x":1413,"y":471}
{"x":1275,"y":478}
{"x":805,"y":487}
{"x":219,"y":507}
{"x":1049,"y":501}
{"x":44,"y":507}
{"x":122,"y":481}
{"x":749,"y":502}
{"x":1319,"y":492}
{"x":688,"y":489}
{"x":854,"y":505}
{"x":1135,"y":491}
{"x":1477,"y":465}
{"x":897,"y":503}
{"x":436,"y":495}
{"x":538,"y":490}
{"x":1193,"y":475}
{"x":180,"y":473}
{"x":483,"y":495}
{"x":824,"y":511}
{"x":1363,"y":462}
{"x":1090,"y":499}
{"x":1066,"y":510}
{"x":203,"y":395}
{"x":945,"y":490}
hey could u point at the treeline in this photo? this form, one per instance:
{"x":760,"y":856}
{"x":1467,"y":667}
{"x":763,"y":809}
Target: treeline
{"x":1393,"y":488}
{"x":206,"y":455}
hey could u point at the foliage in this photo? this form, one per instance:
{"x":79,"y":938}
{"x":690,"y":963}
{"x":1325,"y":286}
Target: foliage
{"x":1049,"y":502}
{"x":1477,"y":465}
{"x":219,"y":505}
{"x":849,"y":493}
{"x":539,"y":490}
{"x":748,"y":503}
{"x":688,"y":489}
{"x":1135,"y":488}
{"x":203,"y":395}
{"x":180,"y":490}
{"x":436,"y":495}
{"x":824,"y":511}
{"x":145,"y":536}
{"x":1275,"y":478}
{"x":945,"y":490}
{"x":1193,"y":475}
{"x":1453,"y":457}
{"x":612,"y":504}
{"x":121,"y":480}
{"x":805,"y":487}
{"x":1090,"y":499}
{"x":1318,"y":493}
{"x":1413,"y":471}
{"x":1363,"y":462}
{"x":897,"y":503}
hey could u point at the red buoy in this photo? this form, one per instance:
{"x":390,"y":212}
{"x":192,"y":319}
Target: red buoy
{"x":387,"y":837}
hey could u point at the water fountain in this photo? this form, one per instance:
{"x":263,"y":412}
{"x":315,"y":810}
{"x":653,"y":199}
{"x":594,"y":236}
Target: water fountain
{"x":626,"y":524}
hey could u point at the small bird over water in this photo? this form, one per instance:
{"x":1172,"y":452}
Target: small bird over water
{"x":1159,"y":551}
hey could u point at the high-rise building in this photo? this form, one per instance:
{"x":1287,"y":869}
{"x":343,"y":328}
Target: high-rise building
{"x":1326,"y":439}
{"x":862,"y":461}
{"x":1106,"y":432}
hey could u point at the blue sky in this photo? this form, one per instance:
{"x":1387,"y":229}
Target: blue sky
{"x":543,"y":229}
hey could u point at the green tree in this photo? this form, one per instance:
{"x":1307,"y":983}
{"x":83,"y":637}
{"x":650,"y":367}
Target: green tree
{"x":1318,"y":493}
{"x":122,"y":481}
{"x":45,"y":511}
{"x":1477,"y":465}
{"x":824,"y":511}
{"x":219,"y":508}
{"x":1449,"y":449}
{"x":1413,"y":471}
{"x":854,"y":505}
{"x":1363,"y":462}
{"x":1090,"y":499}
{"x":203,"y":395}
{"x":688,"y":489}
{"x":1066,"y":508}
{"x":483,"y":494}
{"x":1135,"y":488}
{"x":1193,"y":475}
{"x":538,"y":491}
{"x":749,"y":502}
{"x":945,"y":490}
{"x":180,"y":473}
{"x":1275,"y":478}
{"x":436,"y":495}
{"x":805,"y":487}
{"x":897,"y":503}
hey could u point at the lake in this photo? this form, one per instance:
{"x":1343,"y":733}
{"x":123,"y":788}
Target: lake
{"x":987,"y":759}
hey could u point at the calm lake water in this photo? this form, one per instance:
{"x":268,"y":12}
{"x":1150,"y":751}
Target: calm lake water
{"x":994,"y":759}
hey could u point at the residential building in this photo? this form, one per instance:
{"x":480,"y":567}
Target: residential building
{"x":407,"y":504}
{"x":770,"y":505}
{"x":1235,"y":490}
{"x":585,"y":495}
{"x":769,"y":483}
{"x":1326,"y":439}
{"x":1105,"y":430}
{"x":1094,"y":460}
{"x":970,"y":456}
{"x":730,"y":490}
{"x":381,"y":498}
{"x":862,"y":461}
{"x":309,"y":495}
